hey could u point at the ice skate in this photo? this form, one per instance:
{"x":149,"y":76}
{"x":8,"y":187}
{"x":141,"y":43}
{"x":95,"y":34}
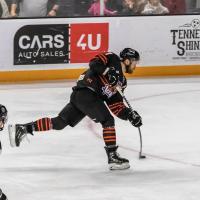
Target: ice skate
{"x":17,"y":133}
{"x":116,"y":162}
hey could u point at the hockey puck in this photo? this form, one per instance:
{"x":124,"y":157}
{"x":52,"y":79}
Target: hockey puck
{"x":142,"y":157}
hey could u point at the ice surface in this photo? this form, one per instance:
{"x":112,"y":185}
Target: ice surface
{"x":71,"y":164}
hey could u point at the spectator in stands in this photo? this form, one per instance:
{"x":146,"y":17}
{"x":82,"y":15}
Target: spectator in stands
{"x":121,"y":6}
{"x":30,"y":8}
{"x":66,"y":8}
{"x":140,"y":5}
{"x":4,"y":13}
{"x":154,"y":7}
{"x":81,"y":7}
{"x":175,"y":6}
{"x":95,"y":9}
{"x":115,"y":5}
{"x":190,"y":5}
{"x":9,"y":2}
{"x":193,"y":6}
{"x":133,"y":7}
{"x":129,"y":7}
{"x":198,"y":4}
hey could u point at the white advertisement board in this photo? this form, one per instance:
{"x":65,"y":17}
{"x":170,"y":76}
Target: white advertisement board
{"x":39,"y":44}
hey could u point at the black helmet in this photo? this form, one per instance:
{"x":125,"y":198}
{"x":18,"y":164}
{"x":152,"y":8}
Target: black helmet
{"x":129,"y":53}
{"x":3,"y":116}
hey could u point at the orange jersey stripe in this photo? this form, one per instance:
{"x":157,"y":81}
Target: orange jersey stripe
{"x":118,"y":111}
{"x":103,"y":59}
{"x":116,"y":107}
{"x":114,"y":104}
{"x":105,"y":79}
{"x":102,"y":80}
{"x":106,"y":59}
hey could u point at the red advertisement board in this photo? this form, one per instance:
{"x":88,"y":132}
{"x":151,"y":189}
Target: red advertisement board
{"x":87,"y":40}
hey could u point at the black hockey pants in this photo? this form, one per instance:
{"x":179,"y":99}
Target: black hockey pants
{"x":83,"y":102}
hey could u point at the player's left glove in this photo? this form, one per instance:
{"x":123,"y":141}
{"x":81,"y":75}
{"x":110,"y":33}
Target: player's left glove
{"x":135,"y":119}
{"x":113,"y":77}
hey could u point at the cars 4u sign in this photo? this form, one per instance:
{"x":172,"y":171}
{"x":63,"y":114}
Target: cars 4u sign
{"x":60,"y":43}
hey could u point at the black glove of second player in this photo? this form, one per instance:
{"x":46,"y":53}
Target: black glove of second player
{"x":135,"y":119}
{"x":113,"y":77}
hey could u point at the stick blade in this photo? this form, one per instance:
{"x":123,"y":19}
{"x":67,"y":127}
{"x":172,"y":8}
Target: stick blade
{"x":142,"y":156}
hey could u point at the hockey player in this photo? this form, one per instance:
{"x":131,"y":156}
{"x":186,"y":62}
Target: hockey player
{"x":95,"y":88}
{"x":3,"y":119}
{"x":2,"y":196}
{"x":3,"y":116}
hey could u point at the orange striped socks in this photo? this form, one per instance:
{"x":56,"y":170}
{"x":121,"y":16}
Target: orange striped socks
{"x":109,"y":136}
{"x":43,"y":124}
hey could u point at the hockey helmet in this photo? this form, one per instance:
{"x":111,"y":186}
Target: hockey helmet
{"x":129,"y":53}
{"x":3,"y":116}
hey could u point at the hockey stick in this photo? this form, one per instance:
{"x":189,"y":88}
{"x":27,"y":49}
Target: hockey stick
{"x":140,"y":134}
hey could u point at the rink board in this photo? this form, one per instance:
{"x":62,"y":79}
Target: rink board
{"x":46,"y":49}
{"x":45,"y":75}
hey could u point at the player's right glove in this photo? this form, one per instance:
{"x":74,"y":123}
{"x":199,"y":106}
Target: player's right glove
{"x":135,"y":119}
{"x":113,"y":77}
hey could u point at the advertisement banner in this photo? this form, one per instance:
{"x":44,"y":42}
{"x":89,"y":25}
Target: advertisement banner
{"x":42,"y":44}
{"x":87,"y":40}
{"x":186,"y":41}
{"x":52,"y":43}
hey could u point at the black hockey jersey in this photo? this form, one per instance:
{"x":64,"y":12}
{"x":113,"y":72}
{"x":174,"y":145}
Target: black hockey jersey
{"x":96,"y":79}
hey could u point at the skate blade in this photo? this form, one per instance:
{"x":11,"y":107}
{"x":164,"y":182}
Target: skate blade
{"x":11,"y":131}
{"x":115,"y":166}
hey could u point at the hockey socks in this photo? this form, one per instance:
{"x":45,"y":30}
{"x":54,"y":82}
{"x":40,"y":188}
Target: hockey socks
{"x":43,"y":124}
{"x":109,"y":136}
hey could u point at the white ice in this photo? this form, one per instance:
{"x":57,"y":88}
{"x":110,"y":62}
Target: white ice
{"x":71,"y":164}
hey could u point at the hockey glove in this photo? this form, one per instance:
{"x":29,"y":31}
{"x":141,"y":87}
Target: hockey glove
{"x":135,"y":119}
{"x":113,"y":77}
